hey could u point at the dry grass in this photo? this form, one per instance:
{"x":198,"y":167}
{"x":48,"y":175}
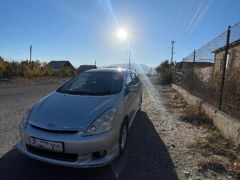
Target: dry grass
{"x":195,"y":116}
{"x":220,"y":154}
{"x":220,"y":167}
{"x":216,"y":145}
{"x":213,"y":164}
{"x":175,"y":105}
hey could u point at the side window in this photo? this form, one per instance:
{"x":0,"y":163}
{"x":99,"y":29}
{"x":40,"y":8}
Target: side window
{"x":135,"y":79}
{"x":129,"y":80}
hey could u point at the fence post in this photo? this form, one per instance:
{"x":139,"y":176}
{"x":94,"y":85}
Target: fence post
{"x":224,"y":67}
{"x":194,"y":56}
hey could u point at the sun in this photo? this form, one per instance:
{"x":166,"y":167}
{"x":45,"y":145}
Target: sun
{"x":122,"y":34}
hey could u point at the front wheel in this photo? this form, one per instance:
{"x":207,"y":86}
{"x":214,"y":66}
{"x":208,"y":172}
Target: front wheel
{"x":123,"y":138}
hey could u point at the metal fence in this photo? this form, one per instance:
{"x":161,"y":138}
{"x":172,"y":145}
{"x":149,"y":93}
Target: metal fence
{"x":212,"y":72}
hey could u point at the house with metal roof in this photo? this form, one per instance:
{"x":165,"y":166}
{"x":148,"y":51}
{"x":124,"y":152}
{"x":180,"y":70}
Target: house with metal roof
{"x":57,"y":65}
{"x":233,"y":57}
{"x":83,"y":68}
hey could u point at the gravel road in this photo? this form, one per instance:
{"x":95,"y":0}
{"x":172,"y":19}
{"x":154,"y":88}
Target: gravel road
{"x":165,"y":108}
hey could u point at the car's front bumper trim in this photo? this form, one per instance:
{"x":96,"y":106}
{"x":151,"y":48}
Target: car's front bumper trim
{"x":82,"y":162}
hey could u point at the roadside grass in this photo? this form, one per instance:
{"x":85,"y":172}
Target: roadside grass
{"x":214,"y":164}
{"x":175,"y":101}
{"x":174,"y":105}
{"x":219,"y":166}
{"x":215,"y":143}
{"x":194,"y":116}
{"x":219,"y":154}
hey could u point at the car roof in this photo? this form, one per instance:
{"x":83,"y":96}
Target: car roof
{"x":108,"y":70}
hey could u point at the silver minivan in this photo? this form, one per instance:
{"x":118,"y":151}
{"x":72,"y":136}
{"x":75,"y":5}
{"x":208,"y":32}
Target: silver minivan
{"x":85,"y":122}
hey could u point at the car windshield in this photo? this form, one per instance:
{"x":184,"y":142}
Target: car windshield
{"x":94,"y":83}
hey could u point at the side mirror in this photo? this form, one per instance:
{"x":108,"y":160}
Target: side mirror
{"x":133,"y":88}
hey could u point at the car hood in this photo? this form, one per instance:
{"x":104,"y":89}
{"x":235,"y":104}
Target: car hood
{"x":69,"y":112}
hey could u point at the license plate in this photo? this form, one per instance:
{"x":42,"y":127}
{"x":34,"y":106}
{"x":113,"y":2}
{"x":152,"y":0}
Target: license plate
{"x":45,"y":144}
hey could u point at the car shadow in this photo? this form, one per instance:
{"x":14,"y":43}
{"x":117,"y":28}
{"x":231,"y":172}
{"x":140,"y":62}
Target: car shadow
{"x":146,"y":157}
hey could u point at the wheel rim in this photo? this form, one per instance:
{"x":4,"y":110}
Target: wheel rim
{"x":124,"y":137}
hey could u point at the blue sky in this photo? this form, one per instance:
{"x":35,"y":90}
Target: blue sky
{"x":83,"y":31}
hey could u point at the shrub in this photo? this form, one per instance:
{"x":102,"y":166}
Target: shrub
{"x":3,"y":66}
{"x":193,"y":115}
{"x":31,"y":69}
{"x":165,"y":72}
{"x":165,"y":76}
{"x":66,"y":72}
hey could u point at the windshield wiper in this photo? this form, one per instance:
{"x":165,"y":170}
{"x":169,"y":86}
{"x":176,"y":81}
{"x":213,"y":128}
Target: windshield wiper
{"x":104,"y":93}
{"x":71,"y":92}
{"x":86,"y":92}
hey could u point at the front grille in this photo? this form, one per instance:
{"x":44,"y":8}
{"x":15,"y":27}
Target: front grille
{"x":53,"y":155}
{"x":55,"y":131}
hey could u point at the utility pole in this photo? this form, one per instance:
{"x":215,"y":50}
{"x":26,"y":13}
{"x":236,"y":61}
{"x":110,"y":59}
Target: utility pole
{"x":172,"y":52}
{"x":193,"y":66}
{"x":129,"y":64}
{"x":30,"y":53}
{"x":95,"y":62}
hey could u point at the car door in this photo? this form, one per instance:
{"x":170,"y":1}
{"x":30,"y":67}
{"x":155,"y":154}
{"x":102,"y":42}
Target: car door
{"x":128,"y":97}
{"x":136,"y":95}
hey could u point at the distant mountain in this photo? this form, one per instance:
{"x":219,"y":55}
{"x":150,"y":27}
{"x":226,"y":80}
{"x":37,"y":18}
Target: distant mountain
{"x":140,"y":68}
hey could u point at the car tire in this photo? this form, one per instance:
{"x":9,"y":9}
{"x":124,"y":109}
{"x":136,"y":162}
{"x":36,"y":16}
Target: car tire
{"x":123,"y":137}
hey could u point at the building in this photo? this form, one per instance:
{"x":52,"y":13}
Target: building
{"x":57,"y":65}
{"x":202,"y":70}
{"x":188,"y":64}
{"x":83,"y":68}
{"x":233,"y":57}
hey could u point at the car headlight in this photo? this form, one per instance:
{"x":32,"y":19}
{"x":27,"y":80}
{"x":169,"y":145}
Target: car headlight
{"x":25,"y":118}
{"x":102,"y":124}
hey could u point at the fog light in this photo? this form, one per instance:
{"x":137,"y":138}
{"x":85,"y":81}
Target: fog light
{"x":99,"y":154}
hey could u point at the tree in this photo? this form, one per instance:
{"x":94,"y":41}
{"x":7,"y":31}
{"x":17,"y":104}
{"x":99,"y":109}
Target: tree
{"x":2,"y":68}
{"x":164,"y":65}
{"x":165,"y":72}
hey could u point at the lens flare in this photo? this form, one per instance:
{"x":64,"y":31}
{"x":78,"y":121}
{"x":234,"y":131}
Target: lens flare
{"x":122,"y":34}
{"x":149,"y":87}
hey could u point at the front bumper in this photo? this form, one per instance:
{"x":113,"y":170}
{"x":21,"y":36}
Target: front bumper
{"x":74,"y":144}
